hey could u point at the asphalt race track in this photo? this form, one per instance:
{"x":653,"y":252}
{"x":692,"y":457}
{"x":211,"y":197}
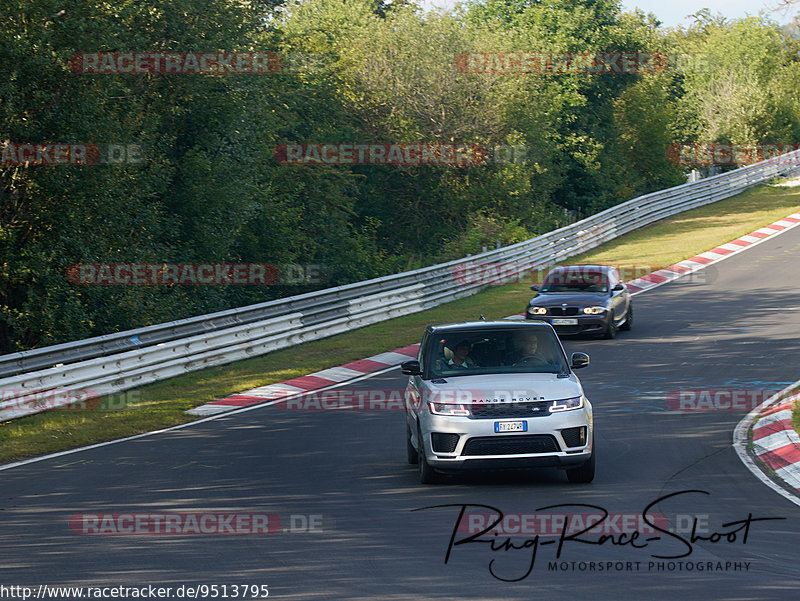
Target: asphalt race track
{"x":346,"y":472}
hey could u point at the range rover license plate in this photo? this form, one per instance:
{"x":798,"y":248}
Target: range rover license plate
{"x":511,"y":426}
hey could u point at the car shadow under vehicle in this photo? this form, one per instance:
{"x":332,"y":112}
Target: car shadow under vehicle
{"x":502,"y":477}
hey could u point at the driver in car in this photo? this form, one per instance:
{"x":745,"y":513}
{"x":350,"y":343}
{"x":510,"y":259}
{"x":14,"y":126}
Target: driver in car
{"x":526,"y":352}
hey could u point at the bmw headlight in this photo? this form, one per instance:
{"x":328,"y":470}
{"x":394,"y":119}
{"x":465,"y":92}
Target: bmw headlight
{"x":450,"y":409}
{"x":594,"y":310}
{"x":537,"y":310}
{"x":567,"y":404}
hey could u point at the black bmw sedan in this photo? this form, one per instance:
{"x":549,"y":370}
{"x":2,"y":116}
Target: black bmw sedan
{"x":583,"y":299}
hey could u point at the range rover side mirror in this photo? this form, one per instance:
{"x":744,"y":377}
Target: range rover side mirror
{"x":617,"y":288}
{"x":579,"y":360}
{"x":411,"y":368}
{"x":535,"y":288}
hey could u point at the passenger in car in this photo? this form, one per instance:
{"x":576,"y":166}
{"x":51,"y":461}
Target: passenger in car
{"x":461,"y":356}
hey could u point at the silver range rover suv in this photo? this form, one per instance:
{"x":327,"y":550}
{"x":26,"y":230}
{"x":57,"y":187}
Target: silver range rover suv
{"x":491,"y":395}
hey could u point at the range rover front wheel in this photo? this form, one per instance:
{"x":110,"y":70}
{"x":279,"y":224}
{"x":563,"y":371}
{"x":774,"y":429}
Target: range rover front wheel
{"x":411,"y":452}
{"x":427,"y":475}
{"x":585,"y":473}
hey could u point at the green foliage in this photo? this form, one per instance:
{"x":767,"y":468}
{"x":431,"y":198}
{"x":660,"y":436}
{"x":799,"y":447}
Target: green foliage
{"x":742,"y":86}
{"x":485,"y":232}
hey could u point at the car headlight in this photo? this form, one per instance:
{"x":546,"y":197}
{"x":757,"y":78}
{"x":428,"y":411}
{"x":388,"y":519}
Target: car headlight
{"x":537,"y":310}
{"x":449,"y":409}
{"x":567,"y":404}
{"x":594,"y":310}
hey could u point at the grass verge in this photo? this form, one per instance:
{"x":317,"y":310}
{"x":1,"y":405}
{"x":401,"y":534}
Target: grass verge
{"x":796,"y":416}
{"x":163,"y":404}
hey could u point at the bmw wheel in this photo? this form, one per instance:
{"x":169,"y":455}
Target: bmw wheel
{"x":611,"y":328}
{"x":628,"y":319}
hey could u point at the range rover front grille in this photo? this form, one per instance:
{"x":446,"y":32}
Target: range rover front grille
{"x":501,"y":410}
{"x":511,"y":445}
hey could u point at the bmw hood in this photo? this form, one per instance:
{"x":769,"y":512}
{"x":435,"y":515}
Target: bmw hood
{"x":504,"y":388}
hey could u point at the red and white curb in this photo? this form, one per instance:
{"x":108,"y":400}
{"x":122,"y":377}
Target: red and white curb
{"x":776,"y":442}
{"x":697,"y":262}
{"x":376,"y":363}
{"x":315,"y":381}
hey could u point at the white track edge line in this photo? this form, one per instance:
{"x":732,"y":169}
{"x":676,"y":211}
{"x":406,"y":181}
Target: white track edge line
{"x":267,"y":403}
{"x":723,"y":257}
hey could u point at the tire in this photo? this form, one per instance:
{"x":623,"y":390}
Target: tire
{"x":411,"y":452}
{"x":585,"y":473}
{"x":427,"y":475}
{"x":628,"y":319}
{"x":611,"y":329}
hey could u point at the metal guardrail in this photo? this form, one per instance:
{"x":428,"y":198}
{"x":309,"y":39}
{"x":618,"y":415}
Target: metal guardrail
{"x":42,"y":379}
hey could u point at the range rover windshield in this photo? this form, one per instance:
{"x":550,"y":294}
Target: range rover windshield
{"x":508,"y":351}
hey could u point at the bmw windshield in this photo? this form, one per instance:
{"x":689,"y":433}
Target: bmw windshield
{"x":475,"y":351}
{"x":575,"y":279}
